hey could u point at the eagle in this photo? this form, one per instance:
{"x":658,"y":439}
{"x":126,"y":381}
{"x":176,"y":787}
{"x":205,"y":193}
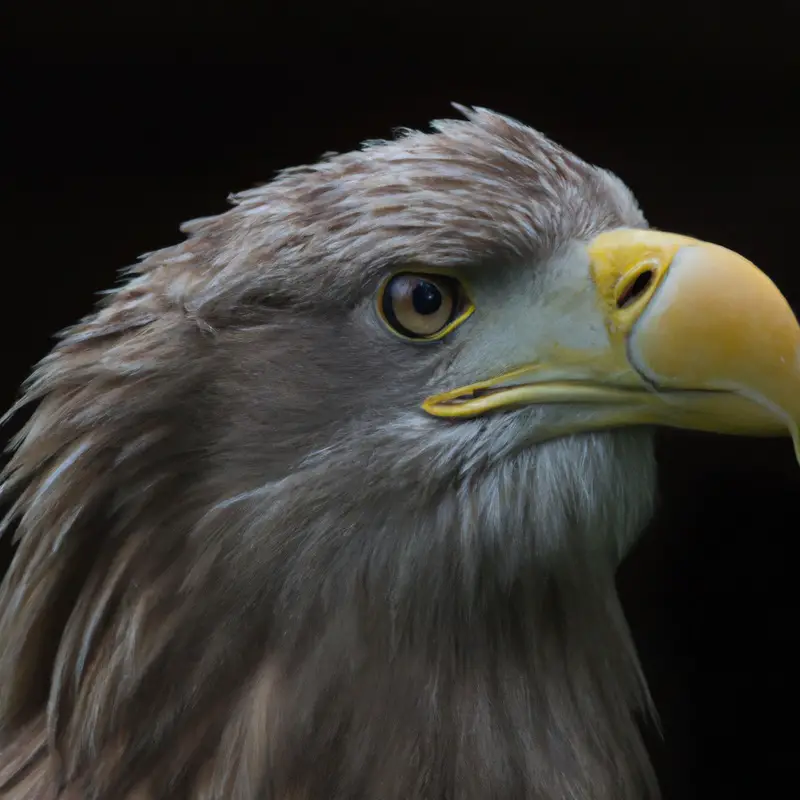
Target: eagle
{"x":326,"y":501}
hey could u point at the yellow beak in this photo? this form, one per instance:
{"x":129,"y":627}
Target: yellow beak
{"x":697,"y":337}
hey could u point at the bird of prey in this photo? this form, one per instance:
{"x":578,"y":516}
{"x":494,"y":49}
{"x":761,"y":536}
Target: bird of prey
{"x":326,"y":501}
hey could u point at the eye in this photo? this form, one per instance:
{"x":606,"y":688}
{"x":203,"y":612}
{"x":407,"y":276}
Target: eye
{"x":423,"y":306}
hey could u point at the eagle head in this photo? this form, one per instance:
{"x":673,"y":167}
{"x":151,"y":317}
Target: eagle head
{"x":326,"y":501}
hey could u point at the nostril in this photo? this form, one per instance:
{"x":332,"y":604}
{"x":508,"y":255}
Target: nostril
{"x":636,"y":288}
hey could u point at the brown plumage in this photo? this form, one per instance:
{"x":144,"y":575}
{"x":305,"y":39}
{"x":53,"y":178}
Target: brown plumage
{"x":250,"y":567}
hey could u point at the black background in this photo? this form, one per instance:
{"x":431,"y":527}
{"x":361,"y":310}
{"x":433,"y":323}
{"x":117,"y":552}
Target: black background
{"x":120,"y":121}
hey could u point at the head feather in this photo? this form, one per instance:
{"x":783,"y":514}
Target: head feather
{"x":239,"y":575}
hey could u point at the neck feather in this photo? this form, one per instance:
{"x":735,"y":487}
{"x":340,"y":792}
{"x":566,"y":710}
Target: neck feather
{"x":301,"y":641}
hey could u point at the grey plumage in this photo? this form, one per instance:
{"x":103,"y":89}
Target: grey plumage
{"x":249,"y":567}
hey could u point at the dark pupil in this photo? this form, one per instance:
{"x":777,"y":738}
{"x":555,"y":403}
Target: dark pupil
{"x":426,"y":298}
